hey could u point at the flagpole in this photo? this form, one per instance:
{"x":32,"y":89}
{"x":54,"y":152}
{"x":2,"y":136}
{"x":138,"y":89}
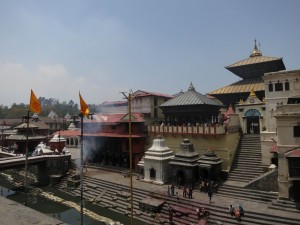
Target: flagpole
{"x":81,"y":170}
{"x":26,"y":158}
{"x":129,"y":98}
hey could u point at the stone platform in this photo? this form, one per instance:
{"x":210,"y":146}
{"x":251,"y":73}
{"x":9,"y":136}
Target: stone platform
{"x":15,"y":213}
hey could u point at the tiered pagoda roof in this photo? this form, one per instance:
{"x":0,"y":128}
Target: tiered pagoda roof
{"x":186,"y":157}
{"x":191,"y":97}
{"x":159,"y":151}
{"x":251,"y":71}
{"x":256,"y":65}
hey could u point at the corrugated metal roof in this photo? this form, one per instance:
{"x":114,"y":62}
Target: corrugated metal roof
{"x":191,"y":97}
{"x":246,"y":85}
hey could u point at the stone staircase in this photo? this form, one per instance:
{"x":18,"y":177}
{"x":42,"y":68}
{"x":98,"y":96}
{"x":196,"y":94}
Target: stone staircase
{"x":112,"y":199}
{"x":235,"y":192}
{"x":247,"y":162}
{"x":285,"y":205}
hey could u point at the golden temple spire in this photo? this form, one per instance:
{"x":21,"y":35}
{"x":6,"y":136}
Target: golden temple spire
{"x":256,"y":51}
{"x":252,"y":94}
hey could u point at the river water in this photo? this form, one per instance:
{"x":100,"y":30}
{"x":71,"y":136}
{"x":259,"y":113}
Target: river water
{"x":66,"y":214}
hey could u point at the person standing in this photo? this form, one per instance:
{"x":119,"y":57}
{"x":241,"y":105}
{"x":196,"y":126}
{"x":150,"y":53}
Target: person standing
{"x":210,"y":194}
{"x":173,"y":189}
{"x":184,"y":191}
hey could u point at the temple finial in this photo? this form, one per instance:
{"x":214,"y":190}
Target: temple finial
{"x":191,"y":88}
{"x":256,"y":51}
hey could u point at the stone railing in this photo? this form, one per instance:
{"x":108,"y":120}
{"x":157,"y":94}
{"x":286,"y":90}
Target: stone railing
{"x":194,"y":130}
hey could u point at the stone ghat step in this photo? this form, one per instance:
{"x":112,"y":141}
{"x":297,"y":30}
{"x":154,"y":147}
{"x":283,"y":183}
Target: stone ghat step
{"x":230,"y":221}
{"x":111,"y":185}
{"x":239,"y":180}
{"x":252,"y":218}
{"x":242,"y":176}
{"x":221,"y":214}
{"x":247,"y":170}
{"x":252,"y":143}
{"x":243,"y":173}
{"x":229,"y":187}
{"x":242,"y":170}
{"x":285,"y":208}
{"x":286,"y":205}
{"x":245,"y":161}
{"x":247,"y":194}
{"x":249,"y":152}
{"x":247,"y":165}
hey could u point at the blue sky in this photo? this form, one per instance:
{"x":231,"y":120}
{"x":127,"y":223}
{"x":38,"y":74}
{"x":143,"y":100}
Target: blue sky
{"x":102,"y":48}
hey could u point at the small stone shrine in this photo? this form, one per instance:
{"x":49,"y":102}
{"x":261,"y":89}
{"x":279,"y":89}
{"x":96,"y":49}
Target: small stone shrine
{"x":156,"y":162}
{"x":184,"y":165}
{"x":210,"y":165}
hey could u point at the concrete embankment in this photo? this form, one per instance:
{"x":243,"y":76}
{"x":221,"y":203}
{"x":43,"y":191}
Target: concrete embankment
{"x":15,"y":213}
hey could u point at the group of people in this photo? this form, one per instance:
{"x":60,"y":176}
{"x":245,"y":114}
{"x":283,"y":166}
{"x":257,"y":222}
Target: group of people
{"x":237,"y":212}
{"x":187,"y":192}
{"x":202,"y":212}
{"x":205,"y":185}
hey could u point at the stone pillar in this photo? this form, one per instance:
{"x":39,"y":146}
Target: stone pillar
{"x":283,"y":182}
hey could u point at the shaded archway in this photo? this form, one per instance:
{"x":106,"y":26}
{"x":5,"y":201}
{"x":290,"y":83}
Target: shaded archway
{"x":152,"y":174}
{"x":252,"y":118}
{"x":180,"y":178}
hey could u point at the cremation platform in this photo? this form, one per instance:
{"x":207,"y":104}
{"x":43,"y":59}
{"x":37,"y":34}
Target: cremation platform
{"x":151,"y":204}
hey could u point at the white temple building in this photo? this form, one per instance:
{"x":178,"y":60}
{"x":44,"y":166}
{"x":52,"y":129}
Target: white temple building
{"x":156,"y":162}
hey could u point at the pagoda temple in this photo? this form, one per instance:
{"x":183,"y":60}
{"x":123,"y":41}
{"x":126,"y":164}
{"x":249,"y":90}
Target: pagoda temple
{"x":191,"y":107}
{"x":251,"y":71}
{"x":156,"y":162}
{"x":185,"y":170}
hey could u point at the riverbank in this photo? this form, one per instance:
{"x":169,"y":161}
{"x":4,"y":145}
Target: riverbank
{"x":12,"y":212}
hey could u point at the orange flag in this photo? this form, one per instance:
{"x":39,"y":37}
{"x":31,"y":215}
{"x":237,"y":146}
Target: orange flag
{"x":35,"y":105}
{"x":84,"y":109}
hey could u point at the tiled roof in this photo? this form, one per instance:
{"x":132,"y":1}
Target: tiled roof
{"x":253,"y":60}
{"x":116,"y":118}
{"x":294,"y":153}
{"x":141,"y":93}
{"x":24,"y":126}
{"x":21,"y":137}
{"x":68,"y":133}
{"x":274,"y":148}
{"x":246,"y":85}
{"x":114,"y":103}
{"x":101,"y":134}
{"x":191,"y":97}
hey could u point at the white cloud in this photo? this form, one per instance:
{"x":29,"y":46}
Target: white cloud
{"x":54,"y":81}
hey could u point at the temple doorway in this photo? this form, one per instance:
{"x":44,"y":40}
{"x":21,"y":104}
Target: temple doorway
{"x":252,"y":118}
{"x":180,"y":178}
{"x":294,"y":190}
{"x":152,"y":174}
